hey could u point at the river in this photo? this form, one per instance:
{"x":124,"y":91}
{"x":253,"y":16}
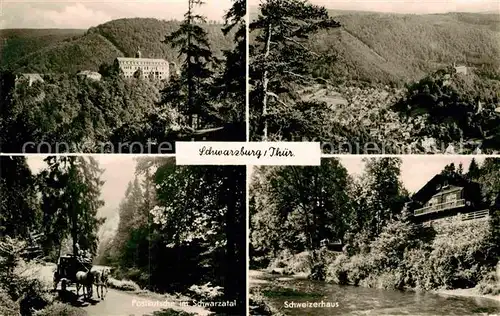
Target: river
{"x":350,"y":300}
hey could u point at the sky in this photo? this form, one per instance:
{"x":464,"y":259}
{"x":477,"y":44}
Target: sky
{"x":86,"y":13}
{"x":118,"y":171}
{"x":408,"y":6}
{"x":415,"y":170}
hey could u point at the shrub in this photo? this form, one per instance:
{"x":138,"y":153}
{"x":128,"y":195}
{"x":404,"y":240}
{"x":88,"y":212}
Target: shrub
{"x":206,"y":292}
{"x":123,"y":285}
{"x":35,"y":296}
{"x":320,"y":266}
{"x":402,"y":256}
{"x":59,"y":309}
{"x":259,"y":306}
{"x":292,"y":263}
{"x":337,"y":271}
{"x":299,"y":263}
{"x":418,"y":269}
{"x":490,"y":284}
{"x":7,"y":306}
{"x":460,"y":255}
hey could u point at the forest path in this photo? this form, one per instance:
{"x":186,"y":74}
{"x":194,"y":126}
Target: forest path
{"x":122,"y":303}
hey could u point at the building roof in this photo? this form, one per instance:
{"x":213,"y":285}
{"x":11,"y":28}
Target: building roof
{"x":431,"y":187}
{"x":32,"y":76}
{"x":88,"y":72}
{"x":141,"y":59}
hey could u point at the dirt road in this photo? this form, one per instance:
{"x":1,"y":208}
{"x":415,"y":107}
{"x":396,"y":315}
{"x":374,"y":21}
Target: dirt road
{"x":120,"y":303}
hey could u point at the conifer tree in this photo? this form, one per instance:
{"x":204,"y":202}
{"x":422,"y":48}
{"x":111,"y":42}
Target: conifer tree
{"x":70,"y":200}
{"x":280,"y":56}
{"x":232,"y":82}
{"x":474,"y":171}
{"x":191,"y":39}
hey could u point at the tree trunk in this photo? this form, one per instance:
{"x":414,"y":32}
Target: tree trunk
{"x":265,"y":82}
{"x":190,"y":69}
{"x":74,"y":214}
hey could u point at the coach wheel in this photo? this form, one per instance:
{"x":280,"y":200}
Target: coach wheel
{"x":63,"y":285}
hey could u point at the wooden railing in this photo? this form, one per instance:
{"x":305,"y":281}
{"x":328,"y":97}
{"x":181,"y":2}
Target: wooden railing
{"x":440,"y":207}
{"x":475,"y":215}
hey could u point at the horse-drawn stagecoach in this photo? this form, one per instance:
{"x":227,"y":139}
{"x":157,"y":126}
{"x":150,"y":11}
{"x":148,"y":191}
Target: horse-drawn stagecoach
{"x":67,"y":268}
{"x":79,"y":271}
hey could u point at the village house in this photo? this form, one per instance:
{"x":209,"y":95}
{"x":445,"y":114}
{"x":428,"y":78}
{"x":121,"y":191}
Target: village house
{"x":93,"y":75}
{"x":29,"y":77}
{"x":444,"y":197}
{"x":462,"y":69}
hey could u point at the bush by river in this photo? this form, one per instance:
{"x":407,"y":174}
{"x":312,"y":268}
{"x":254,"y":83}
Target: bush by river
{"x":454,"y":255}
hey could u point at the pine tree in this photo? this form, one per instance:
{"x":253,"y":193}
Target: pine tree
{"x":474,"y":171}
{"x":70,"y":200}
{"x":231,"y":84}
{"x":197,"y":67}
{"x":280,"y":56}
{"x":19,"y":208}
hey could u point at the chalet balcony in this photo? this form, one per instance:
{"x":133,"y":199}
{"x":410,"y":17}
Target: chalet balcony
{"x":439,"y":207}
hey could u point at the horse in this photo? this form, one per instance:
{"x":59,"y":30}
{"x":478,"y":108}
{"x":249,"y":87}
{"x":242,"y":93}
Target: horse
{"x":84,"y":279}
{"x":101,"y":280}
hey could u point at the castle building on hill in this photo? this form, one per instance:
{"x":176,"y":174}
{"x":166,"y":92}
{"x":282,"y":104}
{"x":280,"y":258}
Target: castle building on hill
{"x":157,"y":69}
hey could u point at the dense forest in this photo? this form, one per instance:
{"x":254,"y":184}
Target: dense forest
{"x":182,"y":230}
{"x":42,"y":216}
{"x":172,"y":236}
{"x":394,"y":49}
{"x":54,"y":51}
{"x":347,"y":79}
{"x":21,"y":42}
{"x":67,"y":113}
{"x":294,"y":210}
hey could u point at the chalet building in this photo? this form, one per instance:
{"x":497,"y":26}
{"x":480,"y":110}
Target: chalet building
{"x":445,"y":197}
{"x":155,"y":69}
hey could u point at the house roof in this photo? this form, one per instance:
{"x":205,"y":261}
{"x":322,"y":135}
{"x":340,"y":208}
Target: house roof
{"x":141,"y":59}
{"x":431,"y":187}
{"x":32,"y":76}
{"x":88,"y":72}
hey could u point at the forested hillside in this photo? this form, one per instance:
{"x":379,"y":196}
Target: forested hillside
{"x":396,"y":48}
{"x":340,"y":84}
{"x":20,"y":42}
{"x":60,"y":51}
{"x":381,"y":47}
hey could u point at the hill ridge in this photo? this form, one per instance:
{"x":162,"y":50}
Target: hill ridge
{"x":98,"y":45}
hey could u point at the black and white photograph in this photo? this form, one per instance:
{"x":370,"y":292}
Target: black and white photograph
{"x":403,"y":235}
{"x":376,"y":77}
{"x":121,"y":235}
{"x":114,"y":77}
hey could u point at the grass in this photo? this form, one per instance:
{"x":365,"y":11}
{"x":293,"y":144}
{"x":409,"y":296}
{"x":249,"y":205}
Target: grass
{"x":288,"y":292}
{"x":59,"y":309}
{"x":171,"y":312}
